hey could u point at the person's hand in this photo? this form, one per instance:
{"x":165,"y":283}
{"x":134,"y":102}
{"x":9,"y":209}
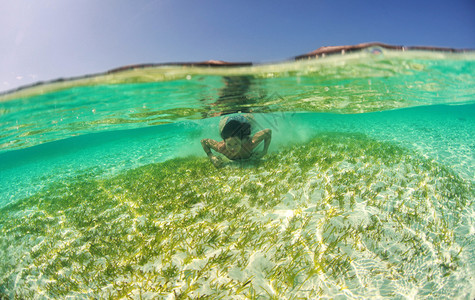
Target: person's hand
{"x":216,"y":161}
{"x":258,"y":154}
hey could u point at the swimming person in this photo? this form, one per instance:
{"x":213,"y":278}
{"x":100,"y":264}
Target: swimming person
{"x":237,"y":142}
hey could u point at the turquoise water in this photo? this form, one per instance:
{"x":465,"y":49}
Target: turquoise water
{"x":367,"y":190}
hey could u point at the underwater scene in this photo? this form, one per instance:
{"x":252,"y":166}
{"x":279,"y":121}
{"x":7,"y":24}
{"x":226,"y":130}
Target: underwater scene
{"x":367,"y":190}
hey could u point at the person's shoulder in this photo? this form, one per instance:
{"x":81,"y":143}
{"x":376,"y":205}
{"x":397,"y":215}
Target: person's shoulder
{"x":220,"y":146}
{"x":248,"y":141}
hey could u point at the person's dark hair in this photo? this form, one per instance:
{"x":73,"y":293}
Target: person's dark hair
{"x":236,"y":129}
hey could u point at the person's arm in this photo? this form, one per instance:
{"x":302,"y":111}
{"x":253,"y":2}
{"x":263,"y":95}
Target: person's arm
{"x":263,"y":135}
{"x":209,"y":144}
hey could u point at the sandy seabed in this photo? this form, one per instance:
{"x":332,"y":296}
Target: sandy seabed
{"x":342,"y":215}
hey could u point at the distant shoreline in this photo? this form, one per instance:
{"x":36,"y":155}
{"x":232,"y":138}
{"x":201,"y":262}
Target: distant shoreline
{"x":318,"y":53}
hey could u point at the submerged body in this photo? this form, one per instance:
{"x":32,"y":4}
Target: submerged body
{"x":237,"y":143}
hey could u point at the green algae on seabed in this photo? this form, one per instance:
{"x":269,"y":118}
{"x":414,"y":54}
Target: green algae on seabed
{"x":340,"y":215}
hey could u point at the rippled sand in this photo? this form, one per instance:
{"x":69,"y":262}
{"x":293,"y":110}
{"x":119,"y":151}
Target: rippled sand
{"x":341,"y":215}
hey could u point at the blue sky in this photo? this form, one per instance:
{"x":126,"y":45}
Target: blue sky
{"x":48,"y":39}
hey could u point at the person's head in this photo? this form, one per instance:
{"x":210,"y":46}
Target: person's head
{"x":233,"y":133}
